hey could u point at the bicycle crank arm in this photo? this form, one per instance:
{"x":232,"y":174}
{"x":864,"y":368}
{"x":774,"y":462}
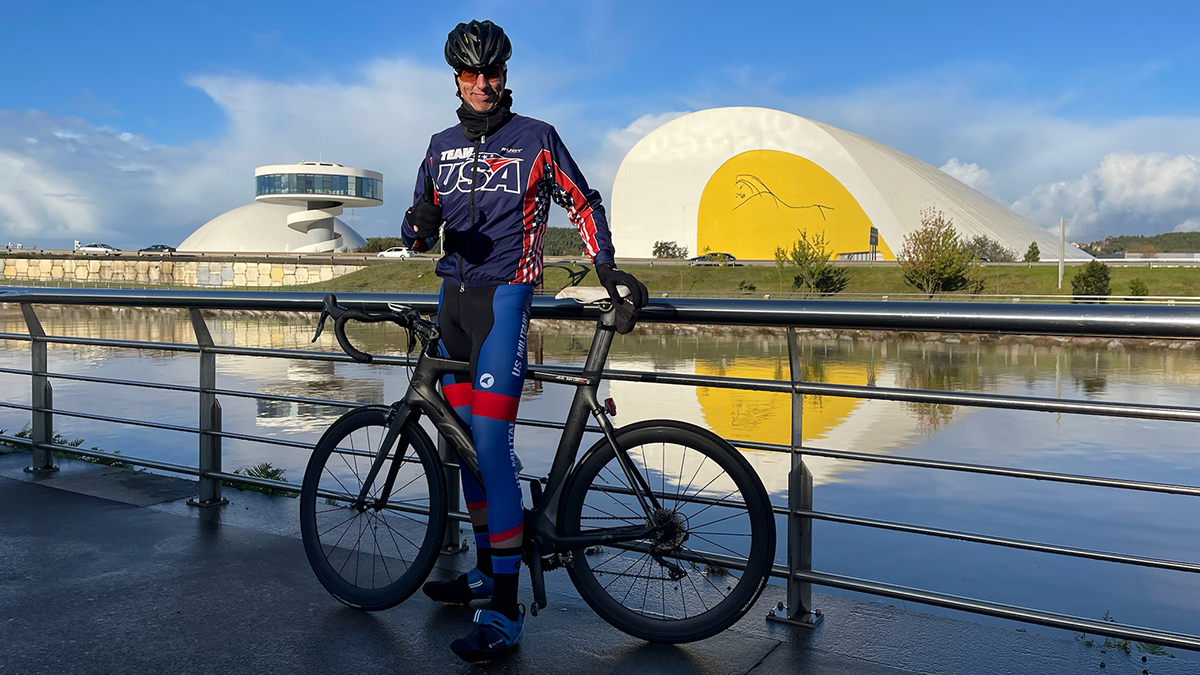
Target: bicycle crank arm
{"x":537,"y":578}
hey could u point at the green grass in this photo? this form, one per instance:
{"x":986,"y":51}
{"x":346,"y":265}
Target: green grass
{"x":418,"y":275}
{"x":264,"y":470}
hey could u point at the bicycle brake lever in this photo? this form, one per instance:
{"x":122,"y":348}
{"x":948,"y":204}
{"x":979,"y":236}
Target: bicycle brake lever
{"x":320,"y":325}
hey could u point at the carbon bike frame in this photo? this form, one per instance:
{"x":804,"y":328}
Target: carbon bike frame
{"x":542,"y":535}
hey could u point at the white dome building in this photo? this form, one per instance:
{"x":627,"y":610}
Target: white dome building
{"x":745,"y":180}
{"x":295,"y":211}
{"x":261,"y":228}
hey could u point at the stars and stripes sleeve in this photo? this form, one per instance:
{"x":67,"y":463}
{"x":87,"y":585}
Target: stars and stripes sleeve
{"x":584,"y":207}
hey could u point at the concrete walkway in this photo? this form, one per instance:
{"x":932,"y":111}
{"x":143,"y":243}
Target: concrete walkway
{"x":106,"y":570}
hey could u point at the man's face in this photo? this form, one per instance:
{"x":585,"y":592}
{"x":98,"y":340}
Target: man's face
{"x":481,"y":88}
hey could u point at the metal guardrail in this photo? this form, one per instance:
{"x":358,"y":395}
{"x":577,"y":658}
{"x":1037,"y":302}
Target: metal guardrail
{"x":1131,"y":321}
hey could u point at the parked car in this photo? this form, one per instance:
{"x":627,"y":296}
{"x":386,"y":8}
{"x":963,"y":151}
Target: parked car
{"x":397,"y":252}
{"x":715,"y":258}
{"x":97,"y":249}
{"x":157,"y":248}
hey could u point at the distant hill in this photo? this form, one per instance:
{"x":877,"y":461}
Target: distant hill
{"x":1158,"y":243}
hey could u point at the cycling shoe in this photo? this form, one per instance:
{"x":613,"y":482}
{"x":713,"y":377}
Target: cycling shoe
{"x":496,"y":635}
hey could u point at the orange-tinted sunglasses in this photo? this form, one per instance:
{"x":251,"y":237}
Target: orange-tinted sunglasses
{"x":491,"y":73}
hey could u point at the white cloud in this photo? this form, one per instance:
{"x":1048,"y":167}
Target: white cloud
{"x":971,"y":174}
{"x":1127,"y":193}
{"x":603,"y":164}
{"x":61,"y":179}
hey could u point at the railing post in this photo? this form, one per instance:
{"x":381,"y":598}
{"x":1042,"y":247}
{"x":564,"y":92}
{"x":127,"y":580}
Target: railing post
{"x":210,"y":417}
{"x":799,"y":610}
{"x":42,"y":419}
{"x":452,"y":541}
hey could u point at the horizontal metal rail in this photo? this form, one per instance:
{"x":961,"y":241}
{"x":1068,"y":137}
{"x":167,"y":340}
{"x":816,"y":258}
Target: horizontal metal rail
{"x":112,"y":457}
{"x":1034,"y":403}
{"x":105,"y":380}
{"x":1146,"y":321}
{"x":117,"y":420}
{"x":999,"y":610}
{"x":130,"y":344}
{"x":266,"y":440}
{"x":1090,"y":554}
{"x":1078,"y":479}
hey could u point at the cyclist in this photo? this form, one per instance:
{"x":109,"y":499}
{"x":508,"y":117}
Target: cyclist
{"x":485,"y":187}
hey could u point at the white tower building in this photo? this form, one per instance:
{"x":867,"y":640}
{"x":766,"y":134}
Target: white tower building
{"x":323,"y":189}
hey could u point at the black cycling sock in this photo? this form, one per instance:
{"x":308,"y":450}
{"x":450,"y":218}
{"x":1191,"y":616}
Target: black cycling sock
{"x":504,"y":581}
{"x":504,"y":595}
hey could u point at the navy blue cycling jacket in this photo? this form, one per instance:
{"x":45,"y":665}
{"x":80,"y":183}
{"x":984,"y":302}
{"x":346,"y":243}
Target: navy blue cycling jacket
{"x":495,"y":196}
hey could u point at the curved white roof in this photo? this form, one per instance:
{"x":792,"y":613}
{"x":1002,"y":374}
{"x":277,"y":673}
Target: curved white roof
{"x":260,"y":228}
{"x":658,"y":189}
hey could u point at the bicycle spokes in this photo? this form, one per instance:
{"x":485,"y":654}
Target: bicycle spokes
{"x":691,"y":562}
{"x":369,"y":546}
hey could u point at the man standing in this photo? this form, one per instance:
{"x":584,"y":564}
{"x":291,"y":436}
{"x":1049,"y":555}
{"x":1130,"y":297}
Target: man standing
{"x":490,"y":180}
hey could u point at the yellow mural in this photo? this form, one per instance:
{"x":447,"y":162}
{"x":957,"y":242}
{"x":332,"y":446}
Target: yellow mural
{"x":766,"y":416}
{"x":758,"y":200}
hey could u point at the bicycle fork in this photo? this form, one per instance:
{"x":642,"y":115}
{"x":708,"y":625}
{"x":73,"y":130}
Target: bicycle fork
{"x":398,"y":415}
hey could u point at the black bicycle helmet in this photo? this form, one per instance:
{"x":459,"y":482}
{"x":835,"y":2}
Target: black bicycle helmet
{"x":478,"y":44}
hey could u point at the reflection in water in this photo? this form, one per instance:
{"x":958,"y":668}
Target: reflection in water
{"x":310,"y":379}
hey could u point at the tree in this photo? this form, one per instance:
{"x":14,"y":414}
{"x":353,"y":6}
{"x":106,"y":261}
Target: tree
{"x":811,"y":254}
{"x":933,"y":259}
{"x":983,"y":247}
{"x":1137,"y":287}
{"x":1033,"y":254}
{"x":377,"y":244}
{"x":562,"y":241}
{"x":1091,"y":280}
{"x":669,"y":249}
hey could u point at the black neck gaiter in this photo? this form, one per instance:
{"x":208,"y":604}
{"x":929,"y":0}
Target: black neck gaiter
{"x":476,"y":125}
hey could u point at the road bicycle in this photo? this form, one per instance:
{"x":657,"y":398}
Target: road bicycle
{"x":664,"y":528}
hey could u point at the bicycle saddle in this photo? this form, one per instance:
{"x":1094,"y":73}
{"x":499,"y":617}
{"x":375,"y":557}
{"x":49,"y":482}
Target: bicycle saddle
{"x":588,"y":295}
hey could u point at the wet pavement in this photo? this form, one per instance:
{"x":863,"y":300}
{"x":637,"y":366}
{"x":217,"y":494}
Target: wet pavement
{"x":106,"y":570}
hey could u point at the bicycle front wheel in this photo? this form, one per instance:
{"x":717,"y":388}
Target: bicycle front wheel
{"x":709,"y":561}
{"x":371,"y":558}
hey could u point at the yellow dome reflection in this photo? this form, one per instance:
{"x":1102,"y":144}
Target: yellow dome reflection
{"x":765,"y":416}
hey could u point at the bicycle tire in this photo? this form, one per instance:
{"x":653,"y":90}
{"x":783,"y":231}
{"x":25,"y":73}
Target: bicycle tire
{"x":402,"y":545}
{"x":610,"y":581}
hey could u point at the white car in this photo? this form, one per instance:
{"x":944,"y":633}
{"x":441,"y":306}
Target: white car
{"x":97,"y":249}
{"x":397,"y":252}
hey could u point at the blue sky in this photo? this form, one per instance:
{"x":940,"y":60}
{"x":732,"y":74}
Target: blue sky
{"x":135,"y":122}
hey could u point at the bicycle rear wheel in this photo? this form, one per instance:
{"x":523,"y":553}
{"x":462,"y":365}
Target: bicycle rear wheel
{"x":372,"y":559}
{"x":710,"y":562}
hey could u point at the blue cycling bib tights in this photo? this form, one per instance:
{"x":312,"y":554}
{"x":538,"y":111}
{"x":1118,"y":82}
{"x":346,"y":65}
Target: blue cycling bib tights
{"x":488,"y":326}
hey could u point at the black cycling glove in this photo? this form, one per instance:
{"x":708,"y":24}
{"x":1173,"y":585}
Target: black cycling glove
{"x":611,"y":277}
{"x":425,"y":217}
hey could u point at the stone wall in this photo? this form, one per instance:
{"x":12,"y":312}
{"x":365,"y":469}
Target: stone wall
{"x":206,"y":273}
